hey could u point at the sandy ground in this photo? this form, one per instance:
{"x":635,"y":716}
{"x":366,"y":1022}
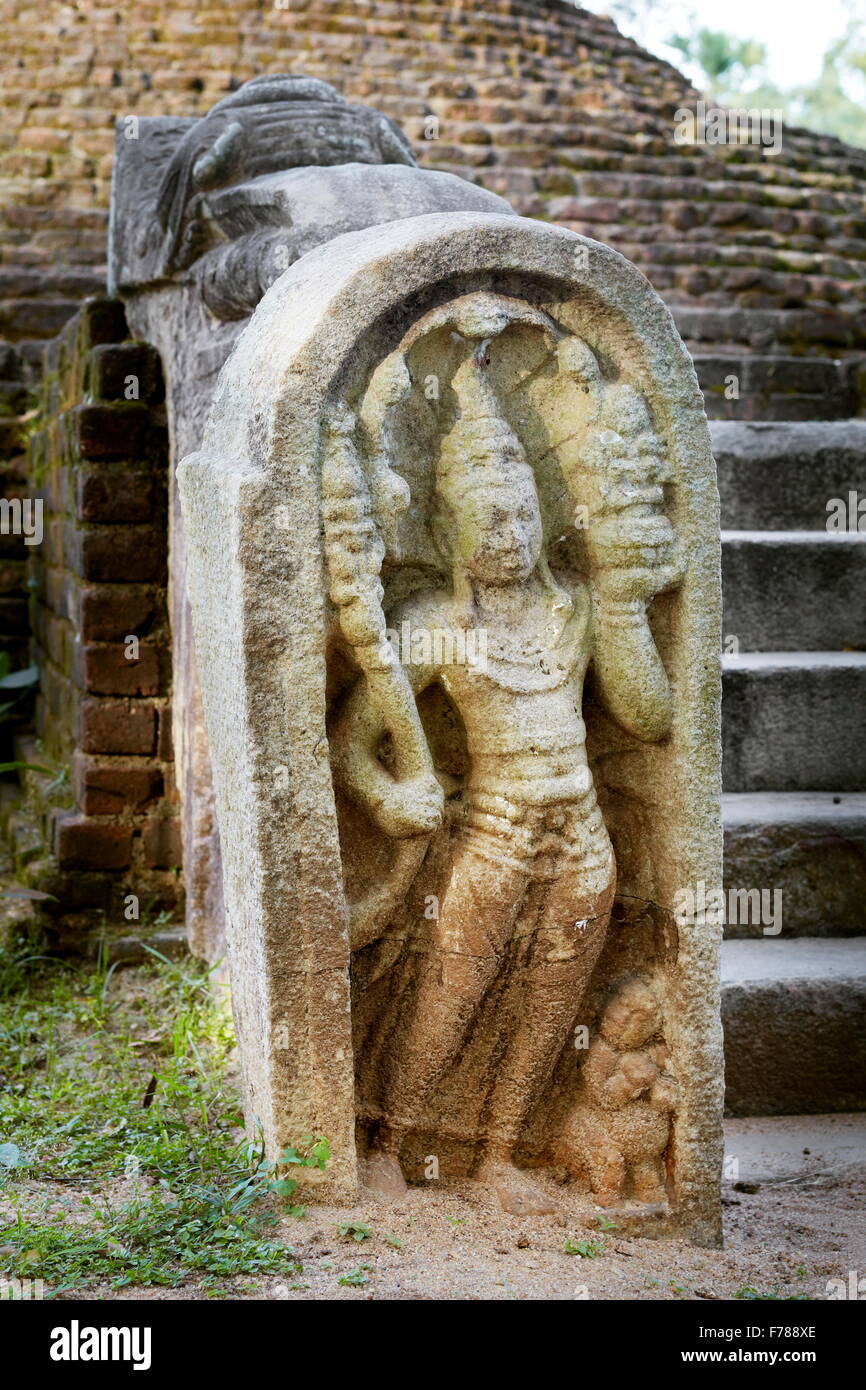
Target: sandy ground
{"x":805,"y":1224}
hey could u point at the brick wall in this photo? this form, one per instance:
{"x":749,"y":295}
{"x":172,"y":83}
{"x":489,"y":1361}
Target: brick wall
{"x":16,"y":399}
{"x":538,"y":100}
{"x":105,"y":826}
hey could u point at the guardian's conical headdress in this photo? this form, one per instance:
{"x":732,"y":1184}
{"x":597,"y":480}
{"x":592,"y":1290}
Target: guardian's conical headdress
{"x":480,"y":449}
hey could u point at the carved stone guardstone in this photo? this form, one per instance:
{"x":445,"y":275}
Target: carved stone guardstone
{"x":205,"y":214}
{"x":454,"y":570}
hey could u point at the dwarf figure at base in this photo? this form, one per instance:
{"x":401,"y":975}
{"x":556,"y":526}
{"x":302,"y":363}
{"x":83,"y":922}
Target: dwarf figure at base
{"x":619,"y":1130}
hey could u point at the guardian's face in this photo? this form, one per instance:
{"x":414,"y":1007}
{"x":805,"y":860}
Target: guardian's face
{"x":498,"y":531}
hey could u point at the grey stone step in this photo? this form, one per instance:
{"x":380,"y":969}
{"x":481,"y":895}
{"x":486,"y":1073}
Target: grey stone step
{"x":779,"y":477}
{"x":808,"y":846}
{"x":794,"y":721}
{"x":776,"y":387}
{"x":794,"y":590}
{"x":765,"y":331}
{"x":779,"y":1148}
{"x":794,"y":1015}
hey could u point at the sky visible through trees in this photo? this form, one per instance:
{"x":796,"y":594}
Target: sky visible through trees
{"x":741,"y":53}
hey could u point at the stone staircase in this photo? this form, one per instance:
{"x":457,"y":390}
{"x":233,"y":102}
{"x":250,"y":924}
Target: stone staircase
{"x":794,"y":735}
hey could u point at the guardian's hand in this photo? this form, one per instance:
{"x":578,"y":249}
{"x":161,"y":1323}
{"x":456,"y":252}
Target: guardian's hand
{"x":634,"y":558}
{"x":413,"y":806}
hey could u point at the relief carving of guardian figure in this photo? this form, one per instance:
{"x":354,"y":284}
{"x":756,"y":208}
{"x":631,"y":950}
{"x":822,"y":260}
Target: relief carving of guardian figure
{"x":524,"y":885}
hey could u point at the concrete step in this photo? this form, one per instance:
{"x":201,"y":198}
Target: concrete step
{"x":794,"y":1015}
{"x":780,"y":477}
{"x":808,"y":846}
{"x":794,"y":590}
{"x":794,"y":721}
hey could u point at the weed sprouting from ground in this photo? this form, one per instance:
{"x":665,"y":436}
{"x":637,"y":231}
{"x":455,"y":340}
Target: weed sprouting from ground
{"x":113,"y":1084}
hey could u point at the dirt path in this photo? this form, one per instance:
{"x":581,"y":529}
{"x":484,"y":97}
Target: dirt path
{"x":786,"y":1241}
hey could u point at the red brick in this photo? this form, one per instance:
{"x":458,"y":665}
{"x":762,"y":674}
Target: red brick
{"x":74,"y":891}
{"x":106,"y":671}
{"x":119,"y":430}
{"x":112,"y":726}
{"x":86,"y":844}
{"x":165,"y":743}
{"x":103,"y":320}
{"x":114,"y":611}
{"x":161,"y":845}
{"x":112,"y":366}
{"x":120,"y":554}
{"x":107,"y":789}
{"x":116,"y":496}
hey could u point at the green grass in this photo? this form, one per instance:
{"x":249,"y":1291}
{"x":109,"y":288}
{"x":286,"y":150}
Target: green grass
{"x":586,"y":1249}
{"x":108,"y":1075}
{"x":356,"y":1230}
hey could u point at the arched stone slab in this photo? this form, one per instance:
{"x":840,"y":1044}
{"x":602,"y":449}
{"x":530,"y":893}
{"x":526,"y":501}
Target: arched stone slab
{"x":582,"y":333}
